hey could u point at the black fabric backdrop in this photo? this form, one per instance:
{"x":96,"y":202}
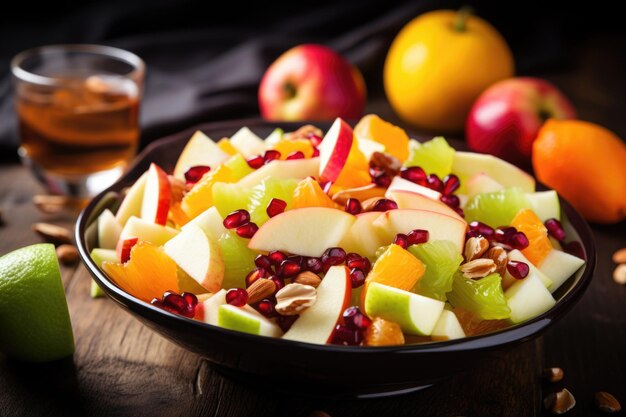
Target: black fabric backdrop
{"x":204,"y":64}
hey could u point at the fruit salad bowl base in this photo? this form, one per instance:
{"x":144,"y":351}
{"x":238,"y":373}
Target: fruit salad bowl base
{"x":311,"y":369}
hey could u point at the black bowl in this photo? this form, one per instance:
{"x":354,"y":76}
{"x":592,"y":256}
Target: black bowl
{"x":324,"y":370}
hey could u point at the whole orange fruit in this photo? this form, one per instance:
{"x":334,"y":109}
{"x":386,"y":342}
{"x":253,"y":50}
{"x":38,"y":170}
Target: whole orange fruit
{"x":439,"y":64}
{"x":586,"y":164}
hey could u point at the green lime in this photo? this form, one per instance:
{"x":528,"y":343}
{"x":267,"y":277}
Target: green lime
{"x":34,"y":320}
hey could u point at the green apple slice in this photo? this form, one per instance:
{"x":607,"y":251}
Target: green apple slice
{"x":545,"y":204}
{"x":274,"y":137}
{"x":467,"y":164}
{"x":246,"y":320}
{"x":283,"y":169}
{"x":147,"y":231}
{"x":414,"y":313}
{"x":210,"y":221}
{"x":559,"y":266}
{"x":528,"y":298}
{"x":447,"y":327}
{"x":99,"y":256}
{"x":108,"y":230}
{"x":211,"y":305}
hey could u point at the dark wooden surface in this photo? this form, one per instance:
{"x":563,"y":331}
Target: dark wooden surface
{"x":122,"y":368}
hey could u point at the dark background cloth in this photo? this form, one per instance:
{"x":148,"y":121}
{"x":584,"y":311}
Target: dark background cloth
{"x":205,"y":62}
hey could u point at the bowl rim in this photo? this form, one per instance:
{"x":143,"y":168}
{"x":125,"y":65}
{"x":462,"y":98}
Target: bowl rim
{"x":513,"y":334}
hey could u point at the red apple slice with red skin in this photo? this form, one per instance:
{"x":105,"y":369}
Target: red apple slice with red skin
{"x":123,"y":248}
{"x":440,"y":226}
{"x":317,"y":323}
{"x":410,"y":200}
{"x":335,"y":149}
{"x":400,"y":184}
{"x":157,"y":196}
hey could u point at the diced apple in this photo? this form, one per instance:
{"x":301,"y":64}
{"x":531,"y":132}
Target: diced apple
{"x":317,"y":323}
{"x":157,"y":196}
{"x":545,"y":204}
{"x":306,"y":231}
{"x":481,"y":183}
{"x":283,"y":169}
{"x":123,"y":248}
{"x":447,"y":327}
{"x":516,"y":255}
{"x":199,"y":256}
{"x":528,"y":298}
{"x":211,"y":305}
{"x":247,"y":143}
{"x":363,"y":238}
{"x":368,"y":147}
{"x":210,"y":221}
{"x":414,"y":313}
{"x":440,"y":226}
{"x":335,"y":149}
{"x":274,"y":137}
{"x":146,"y":231}
{"x":246,"y":319}
{"x":100,"y":255}
{"x":467,"y":164}
{"x":131,"y":204}
{"x":108,"y":230}
{"x":411,"y":200}
{"x":559,"y":266}
{"x":400,"y":184}
{"x":200,"y":150}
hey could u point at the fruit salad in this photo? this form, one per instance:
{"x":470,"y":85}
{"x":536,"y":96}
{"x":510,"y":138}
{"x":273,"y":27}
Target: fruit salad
{"x":355,"y":236}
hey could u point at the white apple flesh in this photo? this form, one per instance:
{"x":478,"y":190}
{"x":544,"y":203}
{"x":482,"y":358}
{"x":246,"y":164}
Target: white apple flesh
{"x":147,"y":231}
{"x":335,"y":149}
{"x":516,"y":255}
{"x":363,"y":238}
{"x":411,"y":200}
{"x":559,"y":266}
{"x":447,"y":327}
{"x":157,"y":196}
{"x":283,"y":169}
{"x":545,"y":204}
{"x":131,"y":204}
{"x":108,"y":230}
{"x":247,"y":143}
{"x":211,"y":305}
{"x":199,"y":151}
{"x":467,"y":164}
{"x":400,"y":184}
{"x":210,"y":221}
{"x":317,"y":323}
{"x":481,"y":183}
{"x":528,"y":298}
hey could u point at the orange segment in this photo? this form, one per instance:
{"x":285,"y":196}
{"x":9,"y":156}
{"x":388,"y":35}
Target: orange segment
{"x":396,"y":267}
{"x":394,"y":138}
{"x":225,"y":145}
{"x":285,"y":147}
{"x":308,"y":193}
{"x":148,"y":273}
{"x":199,"y":197}
{"x":355,"y":173}
{"x":527,"y":221}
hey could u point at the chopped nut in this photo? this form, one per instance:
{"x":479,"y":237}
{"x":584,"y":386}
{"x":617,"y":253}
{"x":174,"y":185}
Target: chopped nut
{"x":260,"y":289}
{"x":388,"y":163}
{"x":499,"y":257}
{"x":52,"y":233}
{"x":304,"y":132}
{"x":293,"y":298}
{"x":360,"y":193}
{"x":383,"y":333}
{"x":67,"y":254}
{"x":619,"y":275}
{"x":478,"y":268}
{"x":51,"y":204}
{"x":475,"y":248}
{"x":560,"y":402}
{"x":619,"y":257}
{"x":553,"y":374}
{"x":606,"y":402}
{"x":308,"y":278}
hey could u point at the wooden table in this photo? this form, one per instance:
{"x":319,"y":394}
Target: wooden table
{"x":122,"y":368}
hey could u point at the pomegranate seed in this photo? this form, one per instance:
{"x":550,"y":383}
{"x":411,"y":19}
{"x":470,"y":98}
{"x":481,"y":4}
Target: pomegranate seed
{"x":471,"y":233}
{"x":451,"y":200}
{"x":314,"y":265}
{"x":158,"y":303}
{"x":276,"y":257}
{"x":237,"y":297}
{"x":380,"y":178}
{"x":575,"y":248}
{"x":352,"y":256}
{"x":247,"y":230}
{"x":518,"y":270}
{"x":414,"y":174}
{"x":451,"y":183}
{"x":353,"y":318}
{"x":174,"y":301}
{"x":295,"y":155}
{"x":459,"y":211}
{"x":315,"y":140}
{"x":266,"y":307}
{"x":262,"y":261}
{"x":270,"y":155}
{"x":346,"y":336}
{"x":555,"y":229}
{"x":362,"y":263}
{"x":255,"y":274}
{"x":384,"y":204}
{"x":418,"y":236}
{"x":190,"y":298}
{"x":353,"y":206}
{"x":434,"y":182}
{"x":256,"y":162}
{"x":357,"y":277}
{"x":316,"y":152}
{"x":503,"y":234}
{"x":333,"y":256}
{"x":401,"y":240}
{"x":518,"y":240}
{"x":298,"y":259}
{"x":195,"y":173}
{"x":285,"y":322}
{"x":288,"y":268}
{"x":278,"y":282}
{"x":482,"y":229}
{"x":236,"y":219}
{"x":275,"y":207}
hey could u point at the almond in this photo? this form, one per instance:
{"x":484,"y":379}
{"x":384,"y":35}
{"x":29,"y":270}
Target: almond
{"x":388,"y":163}
{"x":499,"y":257}
{"x":619,"y":257}
{"x":308,"y":278}
{"x":475,"y":247}
{"x":478,"y":268}
{"x":560,"y":402}
{"x":260,"y":289}
{"x":67,"y":254}
{"x":293,"y":298}
{"x":607,"y":402}
{"x":553,"y":374}
{"x":53,"y":233}
{"x":619,"y":275}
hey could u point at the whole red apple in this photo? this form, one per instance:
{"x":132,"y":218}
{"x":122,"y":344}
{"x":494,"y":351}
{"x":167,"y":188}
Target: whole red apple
{"x":311,"y":82}
{"x":505,"y":119}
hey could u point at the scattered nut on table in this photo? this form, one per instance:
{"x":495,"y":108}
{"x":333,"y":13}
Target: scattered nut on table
{"x":67,"y":254}
{"x":52,"y":233}
{"x":560,"y":402}
{"x":619,"y":257}
{"x":606,"y":402}
{"x":553,"y":374}
{"x":619,"y":274}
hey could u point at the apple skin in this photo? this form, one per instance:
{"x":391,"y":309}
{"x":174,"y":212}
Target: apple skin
{"x":505,"y":119}
{"x":157,"y":196}
{"x":335,"y":150}
{"x":311,"y":82}
{"x":123,"y":248}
